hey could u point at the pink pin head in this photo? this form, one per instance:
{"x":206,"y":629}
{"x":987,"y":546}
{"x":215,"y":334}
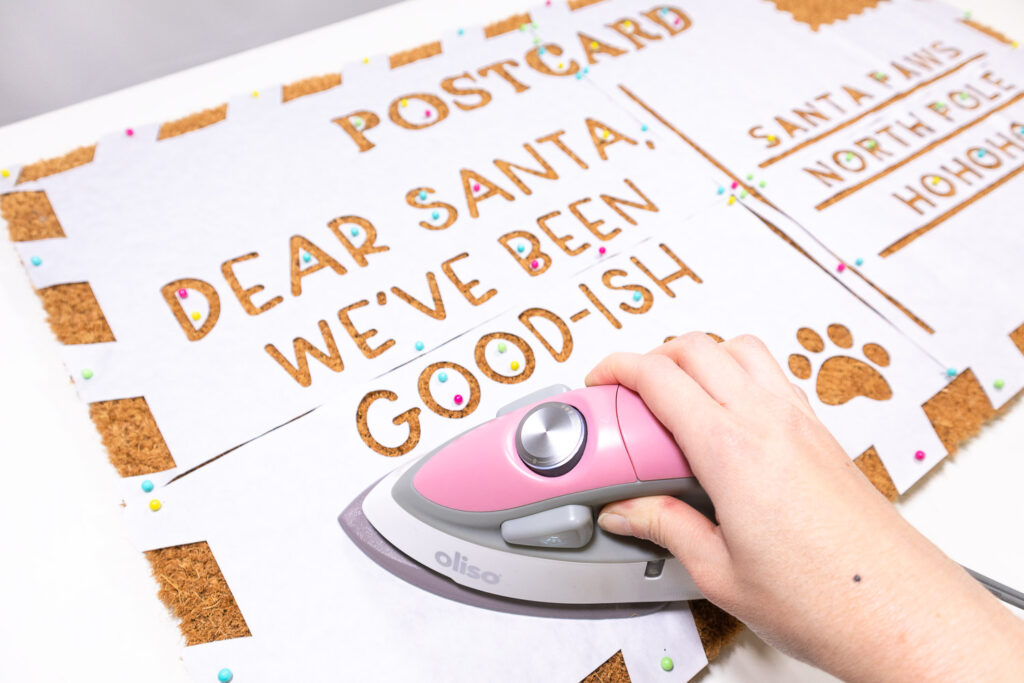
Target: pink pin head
{"x":458,"y":399}
{"x":841,"y":267}
{"x":734,"y":185}
{"x":129,"y":132}
{"x":535,"y":264}
{"x":601,"y":251}
{"x":476,"y":187}
{"x":427,"y":114}
{"x":919,"y":455}
{"x":182,"y":293}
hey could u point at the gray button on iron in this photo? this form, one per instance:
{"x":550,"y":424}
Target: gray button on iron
{"x":551,"y":438}
{"x":569,"y":526}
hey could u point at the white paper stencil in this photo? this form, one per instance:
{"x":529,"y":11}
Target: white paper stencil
{"x":312,"y":600}
{"x":563,"y":190}
{"x":866,"y":141}
{"x":214,"y":253}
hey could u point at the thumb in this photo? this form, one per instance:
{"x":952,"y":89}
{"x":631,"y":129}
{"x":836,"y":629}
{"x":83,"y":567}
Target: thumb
{"x":669,"y":522}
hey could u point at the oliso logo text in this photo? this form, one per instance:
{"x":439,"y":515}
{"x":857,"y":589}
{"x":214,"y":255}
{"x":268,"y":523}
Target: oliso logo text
{"x":460,"y":563}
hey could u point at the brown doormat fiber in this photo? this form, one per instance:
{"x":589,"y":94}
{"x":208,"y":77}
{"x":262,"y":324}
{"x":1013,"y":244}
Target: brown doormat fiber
{"x":47,"y":167}
{"x":192,"y":122}
{"x":130,"y":434}
{"x":29,"y":216}
{"x":612,"y":671}
{"x":816,"y":13}
{"x":988,"y":31}
{"x":193,"y":588}
{"x":309,"y":86}
{"x":74,"y":315}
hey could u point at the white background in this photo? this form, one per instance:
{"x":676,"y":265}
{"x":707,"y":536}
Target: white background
{"x":76,"y":599}
{"x":86,"y":54}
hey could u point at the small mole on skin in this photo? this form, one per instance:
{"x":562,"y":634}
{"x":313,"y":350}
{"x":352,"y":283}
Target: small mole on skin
{"x":856,"y":578}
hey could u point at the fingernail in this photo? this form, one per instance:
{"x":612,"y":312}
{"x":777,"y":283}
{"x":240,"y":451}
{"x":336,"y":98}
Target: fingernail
{"x":614,"y":524}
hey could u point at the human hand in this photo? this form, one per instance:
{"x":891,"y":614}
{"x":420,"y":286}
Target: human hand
{"x":806,"y":552}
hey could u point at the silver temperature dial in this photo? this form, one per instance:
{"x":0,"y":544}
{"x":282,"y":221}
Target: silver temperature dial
{"x":551,"y":438}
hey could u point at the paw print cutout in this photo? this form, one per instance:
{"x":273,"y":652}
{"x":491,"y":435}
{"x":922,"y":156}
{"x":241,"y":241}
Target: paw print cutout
{"x":841,"y":378}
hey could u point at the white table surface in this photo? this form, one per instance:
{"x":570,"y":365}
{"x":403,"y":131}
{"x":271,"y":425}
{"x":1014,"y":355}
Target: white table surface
{"x":77,"y":601}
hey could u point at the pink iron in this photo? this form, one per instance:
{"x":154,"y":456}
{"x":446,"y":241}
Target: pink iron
{"x":503,"y":516}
